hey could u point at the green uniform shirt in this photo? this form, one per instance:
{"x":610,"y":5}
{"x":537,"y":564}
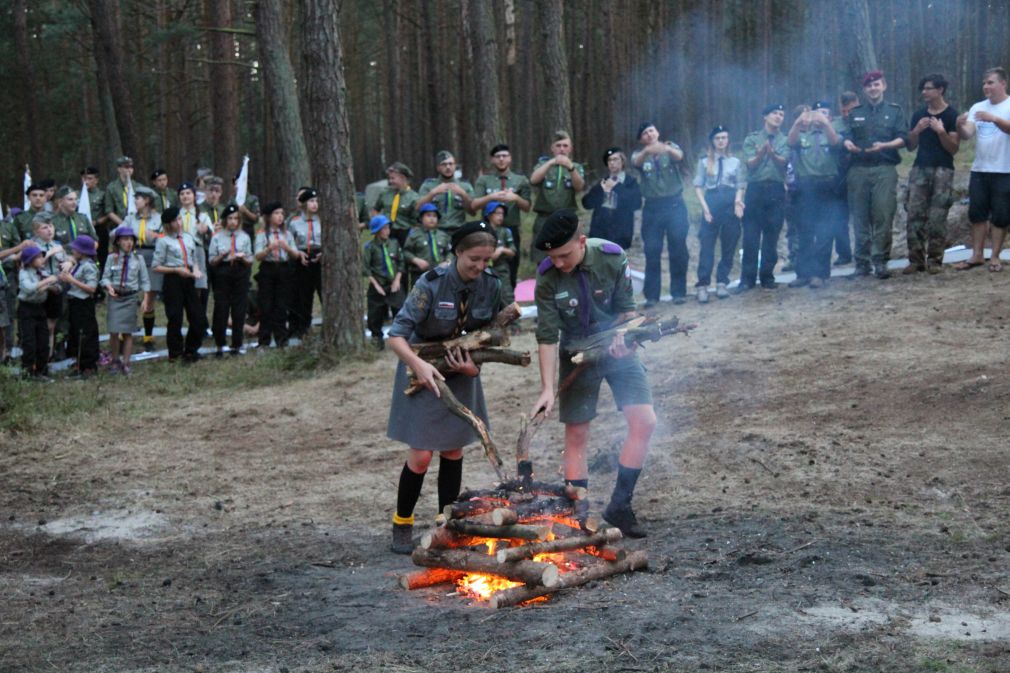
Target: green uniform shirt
{"x":767,"y":170}
{"x":23,"y":222}
{"x":96,"y":199}
{"x":501,"y":266}
{"x":869,"y":124}
{"x":405,"y":216}
{"x":512,"y":182}
{"x":556,"y":190}
{"x":9,"y":237}
{"x":166,"y":199}
{"x":213,"y":213}
{"x":382,"y":260}
{"x":562,"y":299}
{"x":813,"y":156}
{"x":117,"y":198}
{"x":449,"y":204}
{"x":430,"y":245}
{"x":659,"y":175}
{"x":69,"y":227}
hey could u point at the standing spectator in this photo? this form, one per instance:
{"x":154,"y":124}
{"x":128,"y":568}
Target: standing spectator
{"x":67,"y":222}
{"x":398,"y":202}
{"x":510,"y":188}
{"x":876,"y":132}
{"x":308,"y":281}
{"x":989,"y":185}
{"x":175,"y":258}
{"x":230,"y":256}
{"x":81,"y":282}
{"x":720,"y":185}
{"x":23,"y":221}
{"x":276,"y":251}
{"x":34,"y":289}
{"x":164,"y":196}
{"x":766,"y":153}
{"x":505,"y":248}
{"x":450,"y":194}
{"x":933,"y":131}
{"x":383,"y":266}
{"x":145,"y":223}
{"x":99,"y":220}
{"x":557,"y":182}
{"x":119,"y":192}
{"x":614,"y":200}
{"x":427,"y":246}
{"x":847,"y":102}
{"x":664,"y":214}
{"x":124,"y":277}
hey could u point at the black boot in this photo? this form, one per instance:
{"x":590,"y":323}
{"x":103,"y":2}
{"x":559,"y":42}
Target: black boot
{"x":619,"y":512}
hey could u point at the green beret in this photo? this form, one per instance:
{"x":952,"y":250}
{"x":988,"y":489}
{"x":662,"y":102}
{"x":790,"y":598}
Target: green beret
{"x":124,"y":161}
{"x":64,"y":191}
{"x":401,"y":168}
{"x":444,"y":155}
{"x":557,"y":230}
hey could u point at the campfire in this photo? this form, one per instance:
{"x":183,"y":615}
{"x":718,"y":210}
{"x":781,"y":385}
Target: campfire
{"x":518,"y":543}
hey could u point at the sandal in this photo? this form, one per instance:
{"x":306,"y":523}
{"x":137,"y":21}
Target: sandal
{"x":967,"y":264}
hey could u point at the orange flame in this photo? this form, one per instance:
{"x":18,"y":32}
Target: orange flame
{"x":482,"y":587}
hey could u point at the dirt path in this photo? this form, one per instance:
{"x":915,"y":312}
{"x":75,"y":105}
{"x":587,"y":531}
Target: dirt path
{"x":826,"y":492}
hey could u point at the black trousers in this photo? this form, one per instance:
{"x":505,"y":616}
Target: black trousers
{"x":762,"y":224}
{"x":180,"y":296}
{"x":33,"y":330}
{"x":274,"y":284}
{"x":381,"y":307}
{"x":725,"y":228}
{"x":82,"y":340}
{"x":231,"y":298}
{"x":308,"y":284}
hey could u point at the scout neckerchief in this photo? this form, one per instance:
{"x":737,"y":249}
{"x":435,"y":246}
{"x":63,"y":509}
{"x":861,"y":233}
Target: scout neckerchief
{"x":143,"y":229}
{"x":164,"y":201}
{"x":388,"y":260}
{"x":126,"y":270}
{"x":395,"y":208}
{"x":182,"y":247}
{"x":185,"y":222}
{"x":277,"y":237}
{"x":308,"y":244}
{"x":585,"y":309}
{"x":434,"y":248}
{"x":504,"y":181}
{"x":559,"y":175}
{"x":464,"y":309}
{"x":448,"y":200}
{"x":233,"y":245}
{"x":73,"y":228}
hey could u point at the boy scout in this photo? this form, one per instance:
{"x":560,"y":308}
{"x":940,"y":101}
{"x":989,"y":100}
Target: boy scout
{"x":509,"y":188}
{"x":557,"y":182}
{"x":398,"y":202}
{"x":34,"y":291}
{"x":383,"y":266}
{"x":118,"y":197}
{"x":165,"y":196}
{"x":67,"y":222}
{"x":876,"y":131}
{"x":452,"y":196}
{"x":36,"y":204}
{"x":81,"y":283}
{"x":11,"y":246}
{"x":583,"y":287}
{"x":505,"y":248}
{"x":427,"y":246}
{"x":766,"y":153}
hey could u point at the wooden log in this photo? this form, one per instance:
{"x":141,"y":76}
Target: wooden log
{"x":563,"y":544}
{"x":459,"y":409}
{"x":494,"y":334}
{"x":446,"y":538}
{"x":504,"y":517}
{"x":608,"y":553}
{"x":468,"y":508}
{"x":519,"y":490}
{"x":508,"y":597}
{"x":596,"y":347}
{"x":517,"y":531}
{"x":429,"y":577}
{"x":541,"y":507}
{"x":529,"y":572}
{"x":480,"y":356}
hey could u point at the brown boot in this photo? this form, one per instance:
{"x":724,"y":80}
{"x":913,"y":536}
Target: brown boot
{"x":912,"y":268}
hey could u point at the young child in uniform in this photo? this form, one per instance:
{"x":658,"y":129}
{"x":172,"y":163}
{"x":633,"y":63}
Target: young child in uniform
{"x":494,"y":215}
{"x":34,"y":288}
{"x":426,"y":246}
{"x":176,"y":257}
{"x":81,"y":282}
{"x":231,"y":257}
{"x":125,"y":275}
{"x":146,"y":226}
{"x":383,"y":265}
{"x":54,"y":262}
{"x":275,"y":250}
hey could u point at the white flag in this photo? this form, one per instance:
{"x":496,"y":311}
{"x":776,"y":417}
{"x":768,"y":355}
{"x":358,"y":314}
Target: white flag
{"x":27,"y":184}
{"x":84,"y":203}
{"x":131,"y":206}
{"x":242,"y":184}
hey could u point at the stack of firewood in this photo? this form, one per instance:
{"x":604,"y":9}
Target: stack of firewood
{"x":498,"y":532}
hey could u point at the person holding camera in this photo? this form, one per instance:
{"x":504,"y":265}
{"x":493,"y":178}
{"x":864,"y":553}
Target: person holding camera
{"x":614,"y":200}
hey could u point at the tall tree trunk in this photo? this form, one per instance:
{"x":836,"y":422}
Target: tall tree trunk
{"x":224,"y":99}
{"x":29,"y":89}
{"x":556,"y":111}
{"x":105,"y":24}
{"x":330,"y":159}
{"x":865,"y":55}
{"x":282,"y":96}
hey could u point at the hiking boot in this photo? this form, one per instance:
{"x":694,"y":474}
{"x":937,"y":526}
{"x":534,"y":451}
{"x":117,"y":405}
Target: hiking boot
{"x":800,"y":282}
{"x":721,"y":291}
{"x":148,"y":346}
{"x":881,"y":272}
{"x":702,"y":295}
{"x":934,"y":268}
{"x":769,"y":285}
{"x":403,"y":538}
{"x":742,"y":287}
{"x":624,"y":519}
{"x":817,"y":283}
{"x":679,"y":299}
{"x":580,"y":512}
{"x":911,"y":269}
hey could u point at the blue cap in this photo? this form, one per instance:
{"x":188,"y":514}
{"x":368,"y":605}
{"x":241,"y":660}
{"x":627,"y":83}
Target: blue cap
{"x":377,"y":223}
{"x":429,"y":208}
{"x":492,"y":206}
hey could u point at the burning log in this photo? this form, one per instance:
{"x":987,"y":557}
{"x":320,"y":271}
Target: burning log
{"x":544,"y":507}
{"x":429,"y":577}
{"x":504,"y":517}
{"x":563,"y":544}
{"x":471,"y":507}
{"x":544,"y":575}
{"x":516,"y":531}
{"x":516,"y":595}
{"x":447,"y":538}
{"x":608,"y":553}
{"x":519,"y":490}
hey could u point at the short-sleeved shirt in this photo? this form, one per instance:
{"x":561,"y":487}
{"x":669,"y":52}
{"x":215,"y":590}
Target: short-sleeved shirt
{"x":730,"y":175}
{"x":225,"y":241}
{"x":432,"y":309}
{"x":193,"y":217}
{"x":136,"y":278}
{"x":175,"y":251}
{"x":449,"y":203}
{"x":930,"y":152}
{"x":431,"y":245}
{"x":659,"y":175}
{"x":490,"y":183}
{"x":767,"y":170}
{"x":992,"y":146}
{"x":299,"y":228}
{"x":556,"y":190}
{"x":382,"y":259}
{"x":264,"y":238}
{"x":405,"y":215}
{"x":813,"y":155}
{"x":562,"y":298}
{"x":880,"y":123}
{"x":69,"y":227}
{"x":148,"y":229}
{"x":85,"y":271}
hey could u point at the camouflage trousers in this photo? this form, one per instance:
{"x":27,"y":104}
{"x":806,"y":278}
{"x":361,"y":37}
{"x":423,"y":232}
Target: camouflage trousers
{"x":930,"y":194}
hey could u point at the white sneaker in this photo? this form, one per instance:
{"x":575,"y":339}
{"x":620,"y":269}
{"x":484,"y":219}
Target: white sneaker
{"x":721,"y":291}
{"x":702,"y":295}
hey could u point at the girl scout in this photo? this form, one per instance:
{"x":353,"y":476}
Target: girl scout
{"x":124,"y":277}
{"x":231,"y":257}
{"x":176,"y":258}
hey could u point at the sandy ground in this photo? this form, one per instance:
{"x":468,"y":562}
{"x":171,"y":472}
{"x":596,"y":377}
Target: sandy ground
{"x":826,"y":492}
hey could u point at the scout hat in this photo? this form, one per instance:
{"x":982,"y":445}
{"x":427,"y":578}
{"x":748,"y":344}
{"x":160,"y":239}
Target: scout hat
{"x":642,"y":127}
{"x":429,"y":208}
{"x":717,"y":130}
{"x":230,"y":209}
{"x":493,"y":206}
{"x":90,"y":170}
{"x":64,"y":191}
{"x":158,"y":172}
{"x":123,"y":231}
{"x":184,"y":186}
{"x":146,"y":192}
{"x":872,"y":76}
{"x":443,"y":155}
{"x":307,"y":193}
{"x":772,"y":107}
{"x":822,"y":105}
{"x":557,"y":230}
{"x":124,"y":161}
{"x":85,"y":245}
{"x":377,"y":223}
{"x":401,"y":168}
{"x":466,"y":230}
{"x":170,"y":214}
{"x":500,"y":147}
{"x":611,"y":151}
{"x":270,"y":208}
{"x":29,"y":253}
{"x":34,"y":187}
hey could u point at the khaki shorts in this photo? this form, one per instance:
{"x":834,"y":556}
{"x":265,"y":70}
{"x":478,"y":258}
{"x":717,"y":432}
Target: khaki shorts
{"x":625,"y":376}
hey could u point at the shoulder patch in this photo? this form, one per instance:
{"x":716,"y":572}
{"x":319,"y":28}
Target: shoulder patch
{"x":436,"y":272}
{"x":611,"y":248}
{"x":544,"y":266}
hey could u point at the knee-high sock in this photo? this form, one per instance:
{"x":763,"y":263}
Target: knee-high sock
{"x":450,"y":477}
{"x":407,"y":494}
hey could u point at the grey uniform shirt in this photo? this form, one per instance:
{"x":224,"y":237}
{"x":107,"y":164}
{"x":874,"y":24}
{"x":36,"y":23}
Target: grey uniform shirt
{"x":190,"y":219}
{"x":147,"y":229}
{"x":263,"y":240}
{"x":175,"y":251}
{"x":28,"y":283}
{"x":432,"y":309}
{"x":52,"y":265}
{"x":136,"y":277}
{"x":221,"y":244}
{"x":731,"y":174}
{"x":299,"y":228}
{"x":86,"y":271}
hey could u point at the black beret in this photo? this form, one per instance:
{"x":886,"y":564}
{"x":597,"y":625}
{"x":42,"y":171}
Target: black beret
{"x":184,"y":186}
{"x":822,"y":105}
{"x":158,"y":172}
{"x":642,"y":127}
{"x":772,"y":107}
{"x":170,"y":214}
{"x":271,"y":207}
{"x":501,"y":147}
{"x":230,"y":209}
{"x":467,"y":229}
{"x":90,"y":170}
{"x":609,"y":152}
{"x":48,"y":183}
{"x":307,"y":194}
{"x":34,"y":187}
{"x":557,"y":230}
{"x":716,"y":131}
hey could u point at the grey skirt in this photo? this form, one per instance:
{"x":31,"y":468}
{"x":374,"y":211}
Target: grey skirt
{"x":157,"y":280}
{"x":422,"y":421}
{"x":122,"y":313}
